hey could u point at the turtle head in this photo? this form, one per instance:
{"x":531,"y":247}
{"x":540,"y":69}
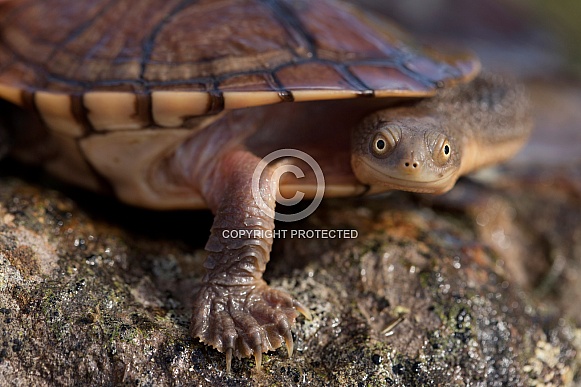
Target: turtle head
{"x":406,"y":150}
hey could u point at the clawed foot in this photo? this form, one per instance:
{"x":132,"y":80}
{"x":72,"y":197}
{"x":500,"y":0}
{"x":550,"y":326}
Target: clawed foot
{"x":244,"y":320}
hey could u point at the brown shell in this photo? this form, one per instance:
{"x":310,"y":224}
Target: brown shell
{"x":130,"y":64}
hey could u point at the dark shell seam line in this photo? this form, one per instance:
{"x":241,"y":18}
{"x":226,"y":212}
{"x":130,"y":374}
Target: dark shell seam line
{"x":275,"y":83}
{"x":144,"y":108}
{"x":216,"y":102}
{"x":29,"y":103}
{"x":149,"y":43}
{"x":144,"y":104}
{"x":79,"y":30}
{"x":355,"y":81}
{"x":81,"y":113}
{"x":293,"y":25}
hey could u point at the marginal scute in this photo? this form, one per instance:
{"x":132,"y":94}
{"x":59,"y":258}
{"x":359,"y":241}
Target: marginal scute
{"x":317,"y":95}
{"x":247,"y":82}
{"x":313,"y":76}
{"x":468,"y":68}
{"x":451,"y":66}
{"x":11,"y":94}
{"x":382,"y":78}
{"x":404,"y":93}
{"x":427,"y":67}
{"x":239,"y":100}
{"x":170,"y":108}
{"x":56,"y":112}
{"x":112,"y":110}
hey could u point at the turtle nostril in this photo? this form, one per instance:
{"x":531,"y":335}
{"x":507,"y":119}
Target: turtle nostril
{"x":415,"y":165}
{"x":407,"y":164}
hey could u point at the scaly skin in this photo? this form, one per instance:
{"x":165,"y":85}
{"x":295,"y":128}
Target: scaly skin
{"x":235,"y":311}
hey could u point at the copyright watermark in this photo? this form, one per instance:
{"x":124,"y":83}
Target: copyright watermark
{"x":278,"y":170}
{"x":292,"y":234}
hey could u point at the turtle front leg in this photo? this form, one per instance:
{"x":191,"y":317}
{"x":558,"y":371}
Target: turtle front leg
{"x":235,"y":311}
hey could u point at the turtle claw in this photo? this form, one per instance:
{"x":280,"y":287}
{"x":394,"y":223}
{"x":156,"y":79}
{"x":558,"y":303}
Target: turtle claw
{"x":245,"y":320}
{"x":302,"y":310}
{"x":258,"y":359}
{"x":288,"y":340}
{"x":228,"y":360}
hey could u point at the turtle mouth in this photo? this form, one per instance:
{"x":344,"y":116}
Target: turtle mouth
{"x":380,"y":180}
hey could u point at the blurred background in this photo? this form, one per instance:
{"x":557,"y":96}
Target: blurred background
{"x":536,"y":36}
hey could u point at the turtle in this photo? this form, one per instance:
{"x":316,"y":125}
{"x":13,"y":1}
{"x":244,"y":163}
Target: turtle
{"x":176,"y":104}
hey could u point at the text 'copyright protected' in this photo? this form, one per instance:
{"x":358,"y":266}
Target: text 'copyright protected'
{"x":293,"y":234}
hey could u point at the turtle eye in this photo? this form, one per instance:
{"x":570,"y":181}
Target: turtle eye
{"x":384,"y":142}
{"x":379,"y":144}
{"x":440,"y":146}
{"x":442,"y":151}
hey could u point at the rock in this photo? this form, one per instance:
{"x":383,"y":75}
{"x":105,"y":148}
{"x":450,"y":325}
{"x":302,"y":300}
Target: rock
{"x":93,"y":292}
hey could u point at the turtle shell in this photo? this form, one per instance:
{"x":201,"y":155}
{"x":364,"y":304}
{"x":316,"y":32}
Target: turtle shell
{"x":104,"y":65}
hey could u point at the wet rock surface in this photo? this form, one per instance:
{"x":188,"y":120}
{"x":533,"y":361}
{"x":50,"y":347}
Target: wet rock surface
{"x":477,"y":287}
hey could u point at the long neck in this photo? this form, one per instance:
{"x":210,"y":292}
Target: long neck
{"x":490,"y":113}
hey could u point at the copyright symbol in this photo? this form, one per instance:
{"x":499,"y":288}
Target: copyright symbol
{"x":298,"y":173}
